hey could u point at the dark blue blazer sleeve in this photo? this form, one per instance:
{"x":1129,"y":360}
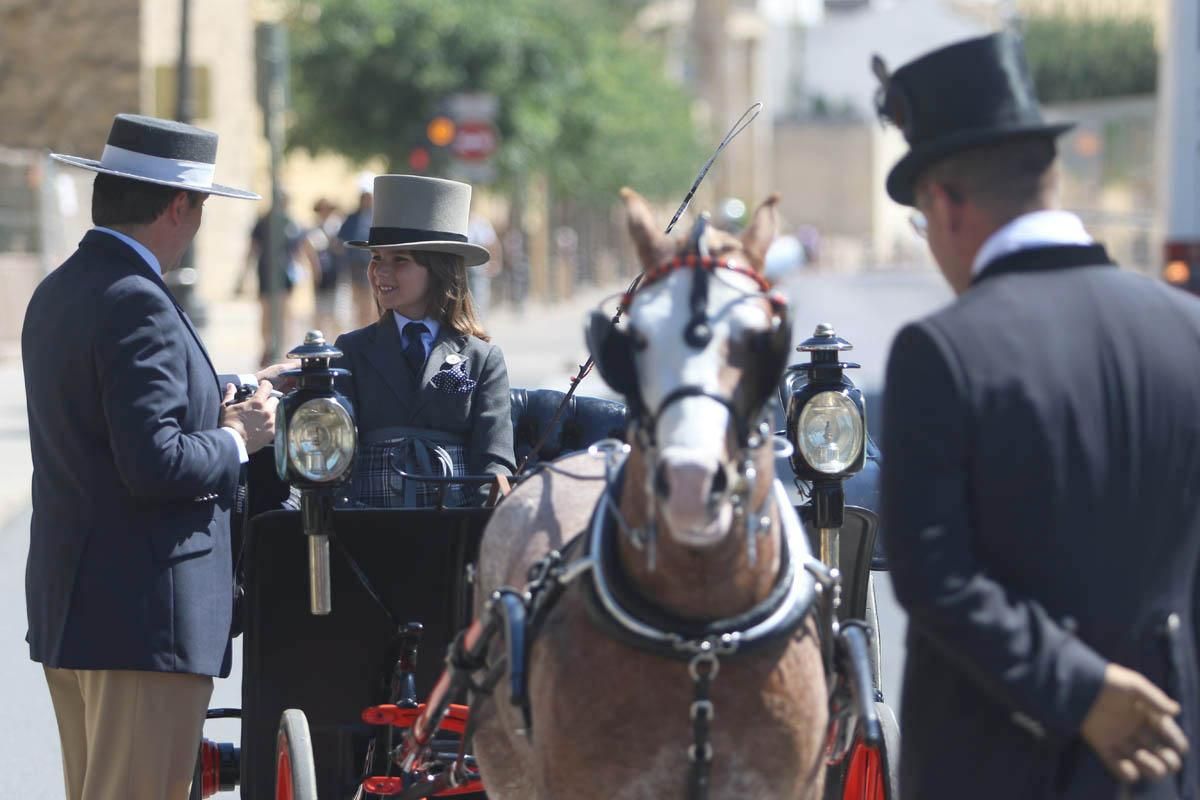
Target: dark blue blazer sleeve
{"x":1001,"y":638}
{"x":142,"y":369}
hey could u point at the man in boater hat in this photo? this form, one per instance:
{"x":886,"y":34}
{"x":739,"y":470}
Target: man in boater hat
{"x":136,"y":459}
{"x":1041,"y":469}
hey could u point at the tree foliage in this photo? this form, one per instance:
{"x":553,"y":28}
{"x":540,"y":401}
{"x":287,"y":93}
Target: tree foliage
{"x":579,"y":101}
{"x":1090,"y":57}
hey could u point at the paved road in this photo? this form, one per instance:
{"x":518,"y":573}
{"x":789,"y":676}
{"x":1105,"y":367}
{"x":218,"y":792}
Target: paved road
{"x":868,"y":309}
{"x":543,"y":346}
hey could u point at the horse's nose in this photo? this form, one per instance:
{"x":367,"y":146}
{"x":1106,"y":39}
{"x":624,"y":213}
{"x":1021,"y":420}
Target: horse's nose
{"x":683,"y":480}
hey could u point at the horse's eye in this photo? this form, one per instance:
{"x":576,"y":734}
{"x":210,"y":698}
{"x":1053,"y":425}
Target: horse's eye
{"x":638,"y":339}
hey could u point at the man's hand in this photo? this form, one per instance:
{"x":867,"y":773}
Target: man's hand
{"x":254,"y":418}
{"x":273,"y":372}
{"x":1131,"y":727}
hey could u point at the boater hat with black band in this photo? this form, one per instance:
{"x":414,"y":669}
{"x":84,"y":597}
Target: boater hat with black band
{"x":159,"y":151}
{"x":968,"y":95}
{"x":412,"y":212}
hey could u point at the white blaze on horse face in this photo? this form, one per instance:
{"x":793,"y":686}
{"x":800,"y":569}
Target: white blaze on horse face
{"x":694,"y":433}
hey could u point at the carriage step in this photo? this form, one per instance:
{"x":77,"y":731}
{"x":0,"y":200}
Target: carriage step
{"x":389,"y":714}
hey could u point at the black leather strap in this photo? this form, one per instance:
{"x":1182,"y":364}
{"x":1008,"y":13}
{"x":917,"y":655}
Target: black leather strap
{"x":394,"y":236}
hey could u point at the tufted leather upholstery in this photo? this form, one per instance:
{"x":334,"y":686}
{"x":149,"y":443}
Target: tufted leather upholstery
{"x":585,"y":420}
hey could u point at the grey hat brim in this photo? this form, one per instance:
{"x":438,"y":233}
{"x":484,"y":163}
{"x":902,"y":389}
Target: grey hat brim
{"x":473,"y":255}
{"x":96,"y":166}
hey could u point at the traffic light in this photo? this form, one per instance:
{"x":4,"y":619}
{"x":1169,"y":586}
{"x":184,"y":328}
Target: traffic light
{"x":418,"y":159}
{"x":440,"y":131}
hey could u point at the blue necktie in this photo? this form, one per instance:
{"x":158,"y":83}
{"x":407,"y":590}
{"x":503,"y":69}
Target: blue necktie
{"x":414,"y":348}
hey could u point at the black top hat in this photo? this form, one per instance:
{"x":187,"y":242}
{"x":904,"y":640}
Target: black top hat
{"x":969,"y":94}
{"x":159,"y":151}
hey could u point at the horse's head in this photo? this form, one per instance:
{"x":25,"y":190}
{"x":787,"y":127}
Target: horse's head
{"x":702,"y":349}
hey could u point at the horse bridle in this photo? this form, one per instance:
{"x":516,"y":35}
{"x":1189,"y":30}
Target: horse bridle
{"x":614,"y":351}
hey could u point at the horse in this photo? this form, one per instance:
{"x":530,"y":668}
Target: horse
{"x":670,"y":640}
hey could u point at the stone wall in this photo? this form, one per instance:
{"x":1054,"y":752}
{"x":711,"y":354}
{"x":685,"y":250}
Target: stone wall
{"x":65,"y":67}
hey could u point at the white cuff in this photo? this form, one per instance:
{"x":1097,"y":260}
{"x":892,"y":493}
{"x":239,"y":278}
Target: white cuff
{"x":243,"y":456}
{"x":248,"y":379}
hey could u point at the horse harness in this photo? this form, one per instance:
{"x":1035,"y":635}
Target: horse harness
{"x":615,"y":608}
{"x":614,"y":350}
{"x":613,"y":605}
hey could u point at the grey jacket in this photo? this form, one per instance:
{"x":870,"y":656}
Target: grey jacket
{"x":385,"y":394}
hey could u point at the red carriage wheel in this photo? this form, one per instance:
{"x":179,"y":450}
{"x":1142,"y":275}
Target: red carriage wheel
{"x":864,"y":776}
{"x":872,"y":773}
{"x":295,"y":771}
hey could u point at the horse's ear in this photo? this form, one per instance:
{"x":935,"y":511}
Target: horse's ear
{"x":653,"y":247}
{"x":761,"y":232}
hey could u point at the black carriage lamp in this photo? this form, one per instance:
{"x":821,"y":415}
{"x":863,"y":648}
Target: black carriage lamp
{"x":827,"y":426}
{"x":315,"y":438}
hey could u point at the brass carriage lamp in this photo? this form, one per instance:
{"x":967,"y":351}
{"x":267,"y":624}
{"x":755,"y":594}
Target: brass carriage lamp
{"x":827,"y":426}
{"x":315,"y":439}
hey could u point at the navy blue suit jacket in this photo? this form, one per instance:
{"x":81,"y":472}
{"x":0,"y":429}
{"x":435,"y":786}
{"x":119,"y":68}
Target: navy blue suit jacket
{"x":1041,"y":499}
{"x":129,"y":559}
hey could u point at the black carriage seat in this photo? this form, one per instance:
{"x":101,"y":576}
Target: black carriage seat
{"x":585,"y":421}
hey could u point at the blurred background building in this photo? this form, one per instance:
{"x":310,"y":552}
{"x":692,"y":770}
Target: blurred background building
{"x":546,"y":177}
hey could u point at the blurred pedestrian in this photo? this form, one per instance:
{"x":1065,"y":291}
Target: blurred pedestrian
{"x":327,"y":311}
{"x":295,"y":260}
{"x":137,"y":454}
{"x":357,"y":227}
{"x":1041,"y":461}
{"x":481,"y":232}
{"x":518,"y":266}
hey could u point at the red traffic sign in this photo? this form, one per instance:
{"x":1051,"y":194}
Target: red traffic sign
{"x":475,"y":140}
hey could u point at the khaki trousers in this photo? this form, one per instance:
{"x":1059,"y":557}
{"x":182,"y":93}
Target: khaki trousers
{"x":128,"y":735}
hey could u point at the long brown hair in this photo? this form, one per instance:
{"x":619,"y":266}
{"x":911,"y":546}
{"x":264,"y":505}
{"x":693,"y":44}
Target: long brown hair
{"x":450,"y":301}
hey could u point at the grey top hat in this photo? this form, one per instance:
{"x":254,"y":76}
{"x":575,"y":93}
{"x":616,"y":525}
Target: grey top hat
{"x":413,"y":212}
{"x":159,"y":151}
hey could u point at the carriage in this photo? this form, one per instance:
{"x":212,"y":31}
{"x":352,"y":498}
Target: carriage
{"x":444,"y":648}
{"x":401,"y":583}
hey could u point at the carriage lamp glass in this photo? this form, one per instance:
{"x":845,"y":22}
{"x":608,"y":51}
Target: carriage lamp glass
{"x":830,"y":432}
{"x":280,"y":443}
{"x":321,"y":439}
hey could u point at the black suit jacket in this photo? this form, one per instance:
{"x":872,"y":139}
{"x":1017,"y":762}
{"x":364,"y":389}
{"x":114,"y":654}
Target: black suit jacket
{"x":129,"y":560}
{"x":386,"y":394}
{"x":1041,"y":484}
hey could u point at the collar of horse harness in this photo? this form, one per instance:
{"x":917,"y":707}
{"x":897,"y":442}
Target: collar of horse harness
{"x":618,"y":609}
{"x":697,"y":335}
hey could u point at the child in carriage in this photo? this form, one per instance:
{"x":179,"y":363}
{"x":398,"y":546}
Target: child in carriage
{"x":430,"y":393}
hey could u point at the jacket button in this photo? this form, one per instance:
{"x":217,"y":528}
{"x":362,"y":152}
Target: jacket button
{"x":1069,"y":625}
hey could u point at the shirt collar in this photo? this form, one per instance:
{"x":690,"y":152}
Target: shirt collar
{"x":432,"y":325}
{"x":1036,"y":229}
{"x":138,"y":247}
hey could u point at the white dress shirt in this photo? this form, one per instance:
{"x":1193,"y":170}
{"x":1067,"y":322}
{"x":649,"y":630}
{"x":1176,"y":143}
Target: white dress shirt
{"x":152,"y":261}
{"x":1036,"y":229}
{"x":427,"y":339}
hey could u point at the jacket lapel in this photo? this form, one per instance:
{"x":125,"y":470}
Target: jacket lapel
{"x":116,"y":246}
{"x":447,"y":342}
{"x":386,"y":354}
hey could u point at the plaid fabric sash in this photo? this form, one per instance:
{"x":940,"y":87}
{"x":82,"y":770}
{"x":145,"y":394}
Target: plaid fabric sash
{"x":385,"y":452}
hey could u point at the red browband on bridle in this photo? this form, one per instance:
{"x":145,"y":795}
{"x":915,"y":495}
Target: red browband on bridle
{"x":708,"y":263}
